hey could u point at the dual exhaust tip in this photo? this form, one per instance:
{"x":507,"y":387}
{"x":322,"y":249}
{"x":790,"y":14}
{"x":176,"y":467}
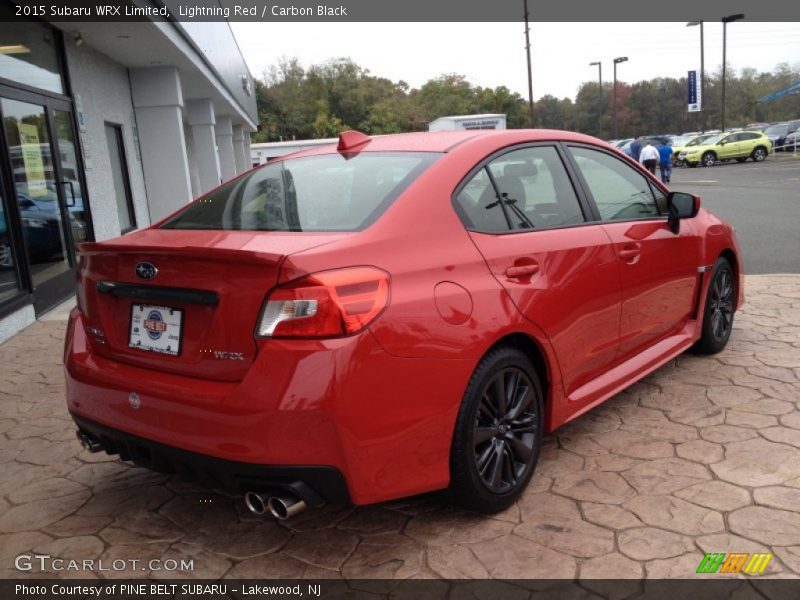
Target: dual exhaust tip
{"x":280,"y":507}
{"x":89,"y":443}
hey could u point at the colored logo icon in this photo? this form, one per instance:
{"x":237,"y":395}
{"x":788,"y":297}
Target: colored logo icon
{"x":736,"y":562}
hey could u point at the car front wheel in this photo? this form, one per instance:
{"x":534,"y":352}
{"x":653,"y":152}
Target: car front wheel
{"x":498,"y":432}
{"x":718,"y":311}
{"x":709,"y":159}
{"x":759,"y":154}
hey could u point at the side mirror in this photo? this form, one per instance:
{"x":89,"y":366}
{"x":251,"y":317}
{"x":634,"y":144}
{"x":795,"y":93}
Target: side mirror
{"x":681,"y":205}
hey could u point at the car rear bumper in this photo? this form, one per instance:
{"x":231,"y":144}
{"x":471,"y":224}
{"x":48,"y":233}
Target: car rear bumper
{"x":316,"y":485}
{"x":384,"y":423}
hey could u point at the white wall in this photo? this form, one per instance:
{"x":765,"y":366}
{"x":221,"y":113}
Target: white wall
{"x":104,"y":89}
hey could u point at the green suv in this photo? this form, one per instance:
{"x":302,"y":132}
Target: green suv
{"x":739,"y":145}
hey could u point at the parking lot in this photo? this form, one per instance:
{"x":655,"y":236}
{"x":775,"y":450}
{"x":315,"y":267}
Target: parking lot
{"x":701,"y":456}
{"x":762,"y":200}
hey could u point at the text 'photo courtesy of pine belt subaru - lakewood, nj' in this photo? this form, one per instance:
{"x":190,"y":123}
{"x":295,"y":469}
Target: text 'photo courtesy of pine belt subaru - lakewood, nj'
{"x":391,"y":316}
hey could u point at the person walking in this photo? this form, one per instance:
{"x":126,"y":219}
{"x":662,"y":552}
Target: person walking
{"x":649,"y":157}
{"x":636,"y":148}
{"x":665,"y":160}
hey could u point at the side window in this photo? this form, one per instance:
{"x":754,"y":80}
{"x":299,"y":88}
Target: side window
{"x":536,"y":189}
{"x":479,"y":208}
{"x":661,"y":198}
{"x":619,"y":191}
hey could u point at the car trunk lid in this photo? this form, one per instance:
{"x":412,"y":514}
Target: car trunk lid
{"x":196,"y":315}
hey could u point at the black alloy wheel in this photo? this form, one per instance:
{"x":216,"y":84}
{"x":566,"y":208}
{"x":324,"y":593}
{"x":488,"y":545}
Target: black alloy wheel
{"x":505,"y":430}
{"x":719,"y":309}
{"x":498,"y":432}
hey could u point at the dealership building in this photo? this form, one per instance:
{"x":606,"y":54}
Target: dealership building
{"x":107,"y":128}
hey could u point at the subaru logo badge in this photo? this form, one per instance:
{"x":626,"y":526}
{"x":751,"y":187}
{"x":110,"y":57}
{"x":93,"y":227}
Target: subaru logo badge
{"x":146,"y":270}
{"x":134,"y":401}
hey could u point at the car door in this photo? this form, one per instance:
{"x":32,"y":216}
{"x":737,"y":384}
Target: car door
{"x":526,"y":218}
{"x":728,"y":147}
{"x":747,"y":143}
{"x":659,"y":269}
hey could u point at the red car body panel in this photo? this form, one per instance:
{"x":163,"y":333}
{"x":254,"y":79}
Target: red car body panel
{"x":608,"y":303}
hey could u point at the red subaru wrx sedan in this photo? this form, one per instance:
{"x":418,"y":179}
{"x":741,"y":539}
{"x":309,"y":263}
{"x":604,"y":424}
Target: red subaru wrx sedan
{"x":391,"y":316}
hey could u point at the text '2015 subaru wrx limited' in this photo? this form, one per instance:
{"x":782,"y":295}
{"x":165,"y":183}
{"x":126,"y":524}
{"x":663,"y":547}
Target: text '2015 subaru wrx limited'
{"x":392,"y":316}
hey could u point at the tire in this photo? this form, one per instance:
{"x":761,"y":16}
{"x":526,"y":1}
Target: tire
{"x":759,"y":154}
{"x":740,"y":160}
{"x":708,"y":160}
{"x":489,"y":475}
{"x":718,"y":310}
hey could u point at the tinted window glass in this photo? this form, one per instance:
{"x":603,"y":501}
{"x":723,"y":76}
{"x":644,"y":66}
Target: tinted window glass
{"x":536,"y":188}
{"x":317,"y":193}
{"x":619,"y":191}
{"x":29,"y":53}
{"x":479,"y":208}
{"x":777,"y":130}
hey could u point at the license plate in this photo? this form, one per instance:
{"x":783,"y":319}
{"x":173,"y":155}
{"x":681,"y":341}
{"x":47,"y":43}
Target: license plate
{"x":156,"y":329}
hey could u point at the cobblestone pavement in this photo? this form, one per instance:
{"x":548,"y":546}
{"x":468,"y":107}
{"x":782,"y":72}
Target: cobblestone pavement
{"x":701,"y":456}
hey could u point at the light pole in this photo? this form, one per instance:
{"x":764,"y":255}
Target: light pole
{"x":600,"y":97}
{"x":528,"y":52}
{"x":725,"y":21}
{"x":702,"y":73}
{"x":619,"y":59}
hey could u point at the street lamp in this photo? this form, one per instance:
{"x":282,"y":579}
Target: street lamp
{"x":619,"y":59}
{"x":702,"y":72}
{"x":725,"y":21}
{"x":600,"y":97}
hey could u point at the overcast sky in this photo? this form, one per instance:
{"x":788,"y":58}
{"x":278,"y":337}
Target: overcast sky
{"x":492,"y":54}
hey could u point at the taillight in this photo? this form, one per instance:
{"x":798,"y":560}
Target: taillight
{"x":80,"y":292}
{"x":327,"y":304}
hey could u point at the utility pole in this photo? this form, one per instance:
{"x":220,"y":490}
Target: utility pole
{"x":528,"y":52}
{"x":725,"y":21}
{"x":619,"y":59}
{"x":600,"y":96}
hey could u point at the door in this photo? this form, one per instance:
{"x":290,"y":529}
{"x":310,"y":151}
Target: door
{"x":561,"y":272}
{"x":728,"y":147}
{"x":659,"y":270}
{"x":33,"y":135}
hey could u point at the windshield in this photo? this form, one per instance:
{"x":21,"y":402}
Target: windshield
{"x":777,"y":130}
{"x":700,"y":139}
{"x":711,"y":139}
{"x":681,"y":140}
{"x":316,"y":193}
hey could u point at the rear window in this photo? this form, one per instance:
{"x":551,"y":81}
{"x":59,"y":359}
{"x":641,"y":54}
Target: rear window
{"x":777,"y":130}
{"x":317,"y":193}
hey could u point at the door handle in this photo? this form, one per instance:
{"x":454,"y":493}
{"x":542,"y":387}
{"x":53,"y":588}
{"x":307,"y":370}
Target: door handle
{"x":71,"y":192}
{"x":522,"y":271}
{"x":630,"y":253}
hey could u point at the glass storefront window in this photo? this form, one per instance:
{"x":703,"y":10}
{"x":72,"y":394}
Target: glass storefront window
{"x":28,"y":53}
{"x":8,"y":276}
{"x":32,"y":164}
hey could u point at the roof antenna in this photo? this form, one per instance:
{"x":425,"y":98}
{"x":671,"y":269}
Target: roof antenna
{"x":352,"y":139}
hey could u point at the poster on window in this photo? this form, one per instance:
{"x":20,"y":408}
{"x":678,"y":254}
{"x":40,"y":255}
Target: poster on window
{"x":32,"y":159}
